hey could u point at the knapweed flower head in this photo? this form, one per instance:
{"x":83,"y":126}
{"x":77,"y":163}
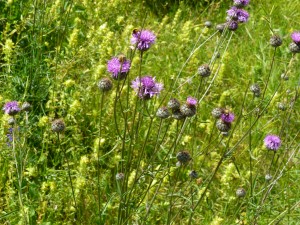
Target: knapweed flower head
{"x":272,"y":142}
{"x":174,"y":104}
{"x":11,"y":108}
{"x":237,"y":14}
{"x":190,"y":101}
{"x":217,"y":112}
{"x":118,"y":67}
{"x":233,"y":25}
{"x":296,"y":37}
{"x":58,"y":125}
{"x":105,"y":84}
{"x":241,"y":3}
{"x":240,"y":192}
{"x":275,"y":41}
{"x":163,"y":112}
{"x":146,"y":87}
{"x":227,"y":117}
{"x":26,"y":106}
{"x":143,"y":39}
{"x":183,"y":157}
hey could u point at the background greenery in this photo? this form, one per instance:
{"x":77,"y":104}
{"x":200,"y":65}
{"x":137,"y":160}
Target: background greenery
{"x":53,"y":53}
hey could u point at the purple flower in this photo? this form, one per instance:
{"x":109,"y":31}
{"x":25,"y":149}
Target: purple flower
{"x":118,"y":67}
{"x":227,"y":117}
{"x":272,"y":142}
{"x":232,"y":25}
{"x":146,"y":87}
{"x":190,"y":101}
{"x":296,"y":37}
{"x":241,"y":3}
{"x":237,"y":14}
{"x":11,"y":108}
{"x":143,"y":39}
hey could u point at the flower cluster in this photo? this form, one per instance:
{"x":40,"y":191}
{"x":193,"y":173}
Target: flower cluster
{"x":146,"y":87}
{"x":225,"y":118}
{"x":181,"y":111}
{"x":236,"y":14}
{"x":143,"y":39}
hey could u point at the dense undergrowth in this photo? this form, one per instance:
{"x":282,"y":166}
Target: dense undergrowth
{"x":83,"y":153}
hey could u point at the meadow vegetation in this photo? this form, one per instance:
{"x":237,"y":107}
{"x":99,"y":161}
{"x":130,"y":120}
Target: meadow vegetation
{"x":142,"y":112}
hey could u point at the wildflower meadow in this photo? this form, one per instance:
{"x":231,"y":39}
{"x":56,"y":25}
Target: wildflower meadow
{"x":149,"y":112}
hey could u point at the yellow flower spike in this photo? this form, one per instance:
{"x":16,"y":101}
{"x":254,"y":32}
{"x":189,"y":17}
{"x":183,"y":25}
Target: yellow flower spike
{"x":43,"y":121}
{"x":217,"y":221}
{"x":69,"y":83}
{"x":75,"y":106}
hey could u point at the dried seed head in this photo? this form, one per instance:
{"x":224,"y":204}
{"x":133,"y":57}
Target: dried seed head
{"x":204,"y":70}
{"x":222,"y":126}
{"x":294,"y":48}
{"x":58,"y":125}
{"x":217,"y":112}
{"x":275,"y":41}
{"x":240,"y":192}
{"x":183,"y":157}
{"x":163,"y":113}
{"x":174,"y":104}
{"x":105,"y":84}
{"x":255,"y":89}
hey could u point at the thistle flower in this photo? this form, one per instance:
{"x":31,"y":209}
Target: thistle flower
{"x":118,"y":67}
{"x":204,"y":70}
{"x":296,"y":37}
{"x":183,"y":157}
{"x":105,"y":84}
{"x":58,"y":125}
{"x":143,"y":39}
{"x":237,"y":14}
{"x":240,"y":3}
{"x":146,"y":87}
{"x":217,"y":112}
{"x":227,"y":117}
{"x":240,"y":192}
{"x":275,"y":41}
{"x":11,"y":108}
{"x":272,"y":142}
{"x":174,"y":104}
{"x":163,"y":113}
